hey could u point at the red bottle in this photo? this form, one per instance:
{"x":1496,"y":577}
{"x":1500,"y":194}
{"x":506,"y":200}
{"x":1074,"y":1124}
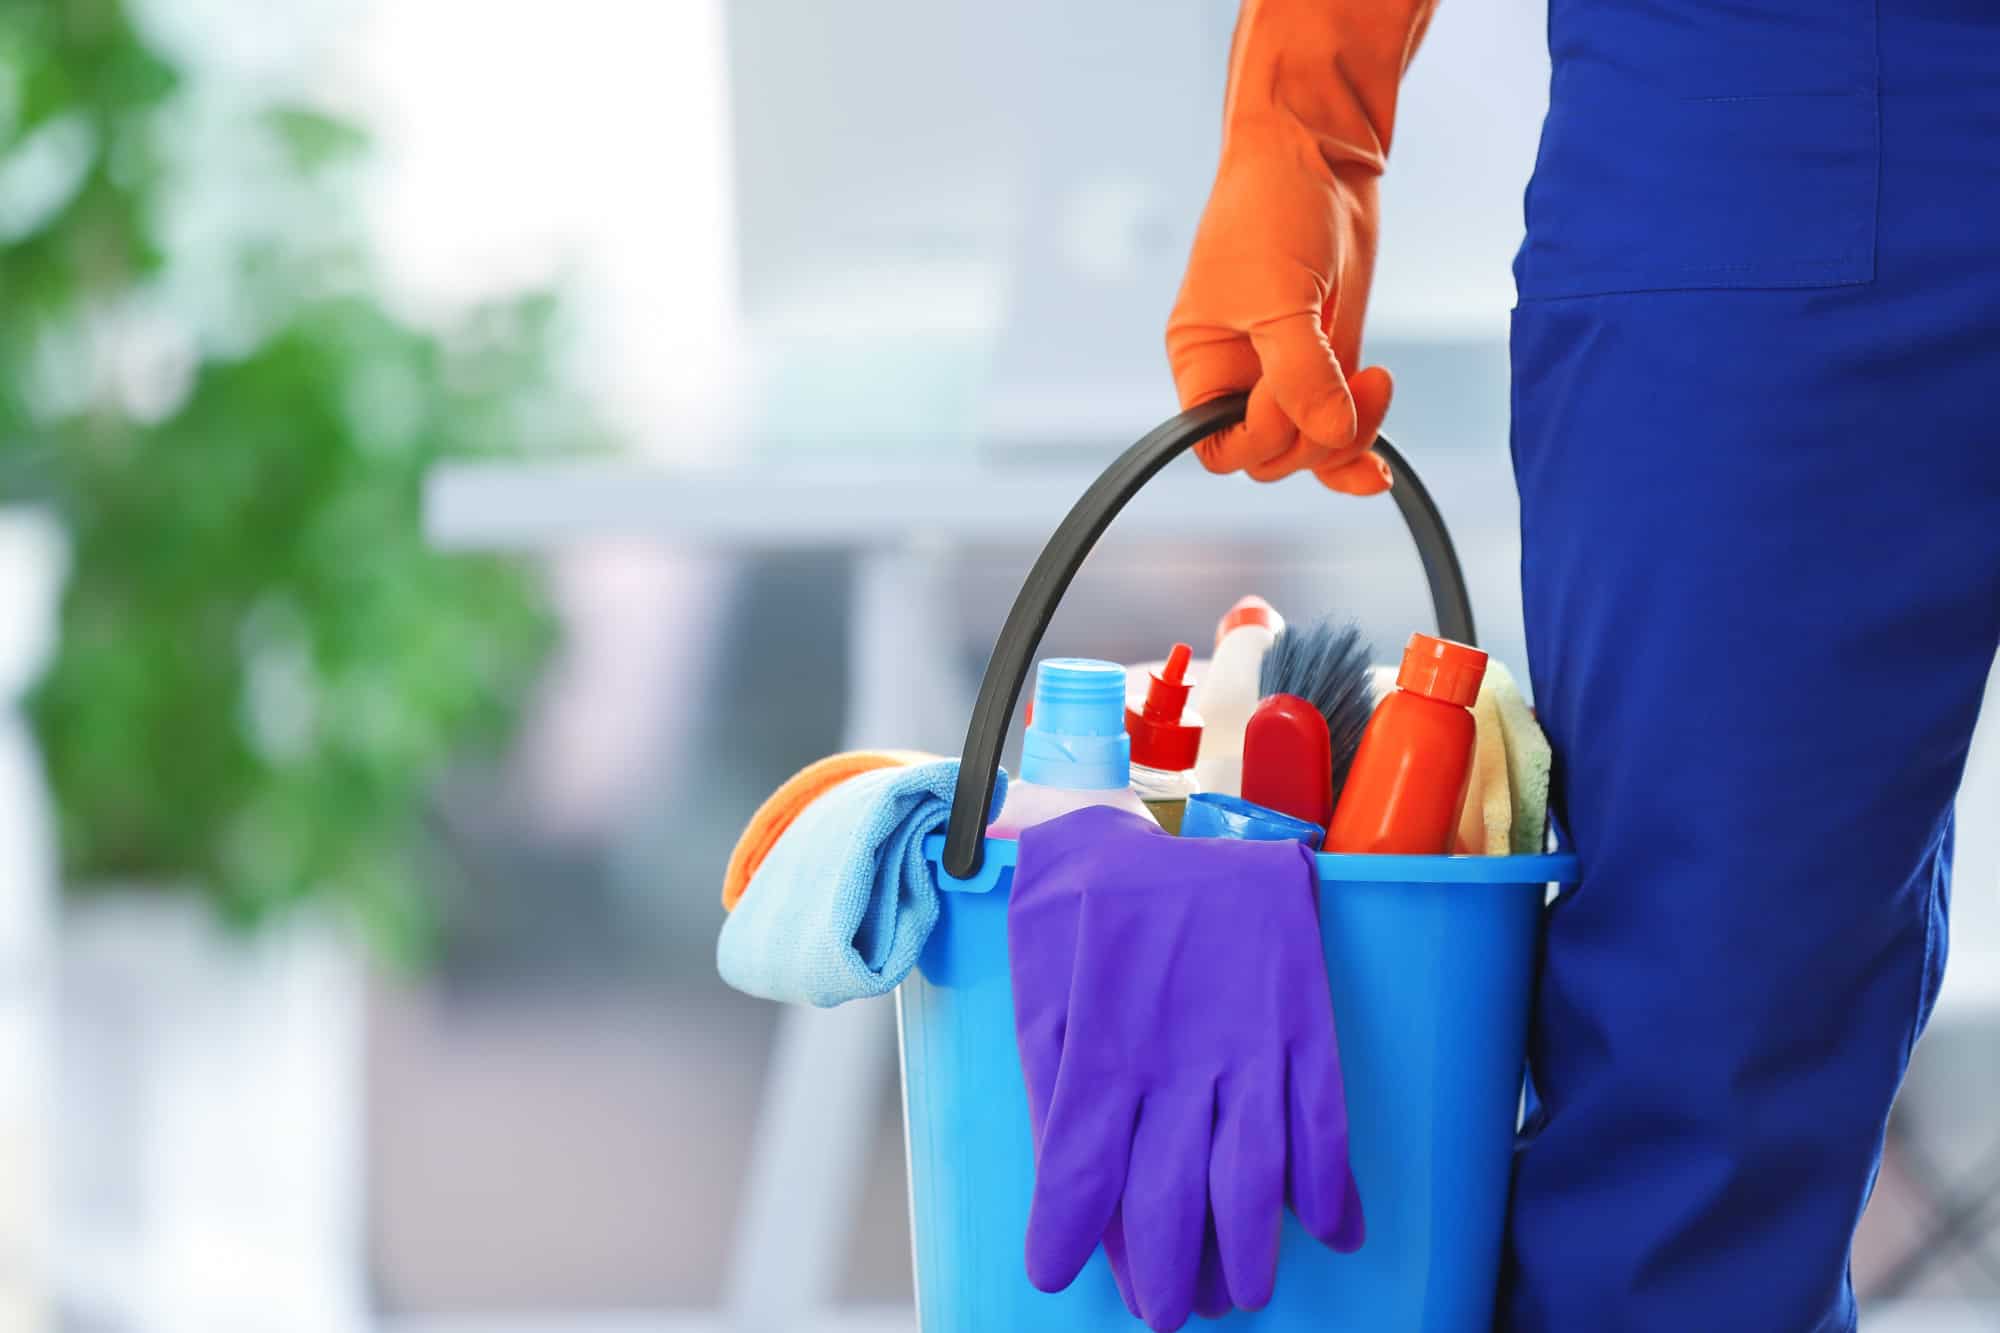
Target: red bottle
{"x":1409,"y":777}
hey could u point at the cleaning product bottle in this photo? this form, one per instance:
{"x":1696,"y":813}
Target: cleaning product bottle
{"x":1409,"y":776}
{"x":1075,"y":752}
{"x":1288,"y":760}
{"x":1166,"y":738}
{"x":1227,"y":693}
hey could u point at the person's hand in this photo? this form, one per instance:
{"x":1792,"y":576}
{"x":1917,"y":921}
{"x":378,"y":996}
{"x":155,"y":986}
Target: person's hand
{"x":1273,"y":303}
{"x":1277,"y":284}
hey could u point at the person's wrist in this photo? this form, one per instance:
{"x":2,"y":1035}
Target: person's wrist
{"x":1305,"y":127}
{"x":1324,"y":68}
{"x":1276,"y":145}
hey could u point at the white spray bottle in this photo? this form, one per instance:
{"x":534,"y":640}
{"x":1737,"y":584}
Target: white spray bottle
{"x":1226,"y":695}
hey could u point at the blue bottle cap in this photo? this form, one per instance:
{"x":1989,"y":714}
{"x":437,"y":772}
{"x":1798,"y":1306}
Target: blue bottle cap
{"x":1077,"y":740}
{"x":1211,"y":814}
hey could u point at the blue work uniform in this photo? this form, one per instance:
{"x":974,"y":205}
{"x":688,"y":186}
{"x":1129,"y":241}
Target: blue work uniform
{"x":1756,"y":411}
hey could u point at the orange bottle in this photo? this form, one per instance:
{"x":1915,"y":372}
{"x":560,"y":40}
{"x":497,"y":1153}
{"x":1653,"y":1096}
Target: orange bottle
{"x":1411,"y":771}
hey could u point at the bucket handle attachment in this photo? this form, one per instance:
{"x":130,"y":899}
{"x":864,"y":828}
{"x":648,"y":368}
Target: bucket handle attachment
{"x":1049,"y":579}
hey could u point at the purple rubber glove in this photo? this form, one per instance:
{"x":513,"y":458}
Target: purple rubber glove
{"x":1175,"y":1029}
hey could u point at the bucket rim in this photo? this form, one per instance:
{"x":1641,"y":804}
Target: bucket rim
{"x":1537,"y":871}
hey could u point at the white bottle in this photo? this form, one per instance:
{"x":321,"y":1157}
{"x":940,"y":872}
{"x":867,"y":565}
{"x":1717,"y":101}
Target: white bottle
{"x":1075,"y":753}
{"x":1227,"y":693}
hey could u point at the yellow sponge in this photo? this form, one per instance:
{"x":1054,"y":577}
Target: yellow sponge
{"x":1487,"y":819}
{"x":1507,"y":803}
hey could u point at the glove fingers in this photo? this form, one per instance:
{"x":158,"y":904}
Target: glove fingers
{"x":1363,"y":473}
{"x":1321,"y":1181}
{"x":1121,"y":1262}
{"x":1363,"y":476}
{"x":1212,"y":1298}
{"x":1266,"y":434}
{"x":1210,"y":363}
{"x":1308,"y":382}
{"x":1166,"y":1202}
{"x":1211,"y":1287}
{"x":1079,"y":1174}
{"x":1246,"y":1182}
{"x":1297,"y":458}
{"x":1267,"y":424}
{"x":1373,"y":387}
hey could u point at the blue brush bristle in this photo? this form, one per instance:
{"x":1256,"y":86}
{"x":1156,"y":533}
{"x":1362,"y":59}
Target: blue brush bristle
{"x":1329,"y":666}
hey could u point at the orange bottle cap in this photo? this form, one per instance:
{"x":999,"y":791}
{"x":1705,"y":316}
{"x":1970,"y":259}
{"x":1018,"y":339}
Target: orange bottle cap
{"x":1442,"y":670}
{"x":1251,"y":610}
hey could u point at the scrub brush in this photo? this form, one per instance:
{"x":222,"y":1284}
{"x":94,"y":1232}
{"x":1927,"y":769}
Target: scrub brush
{"x":1318,"y":693}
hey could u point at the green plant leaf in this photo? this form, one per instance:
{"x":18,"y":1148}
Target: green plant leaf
{"x":313,"y":138}
{"x":263,"y":672}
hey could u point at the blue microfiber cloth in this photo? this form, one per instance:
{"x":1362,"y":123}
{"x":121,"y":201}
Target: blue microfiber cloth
{"x":844,"y":902}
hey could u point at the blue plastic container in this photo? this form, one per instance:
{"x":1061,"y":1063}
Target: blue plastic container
{"x":1430,"y":960}
{"x":1212,"y":814}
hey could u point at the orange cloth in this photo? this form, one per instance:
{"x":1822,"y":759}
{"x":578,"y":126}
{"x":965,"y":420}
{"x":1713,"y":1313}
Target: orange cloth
{"x":1277,"y":283}
{"x":782,"y":806}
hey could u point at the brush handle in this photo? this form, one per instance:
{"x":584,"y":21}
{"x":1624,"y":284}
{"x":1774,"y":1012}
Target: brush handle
{"x":1021,"y":635}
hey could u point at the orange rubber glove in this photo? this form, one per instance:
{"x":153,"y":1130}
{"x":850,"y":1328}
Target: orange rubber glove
{"x":1277,"y":284}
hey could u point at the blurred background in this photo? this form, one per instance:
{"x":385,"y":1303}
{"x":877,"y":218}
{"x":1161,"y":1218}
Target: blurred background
{"x":456,"y":456}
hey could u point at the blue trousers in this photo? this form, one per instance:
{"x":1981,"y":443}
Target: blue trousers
{"x":1757,"y":436}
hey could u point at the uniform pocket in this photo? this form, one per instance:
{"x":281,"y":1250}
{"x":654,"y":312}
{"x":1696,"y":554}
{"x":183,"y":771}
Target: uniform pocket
{"x":1643,"y":191}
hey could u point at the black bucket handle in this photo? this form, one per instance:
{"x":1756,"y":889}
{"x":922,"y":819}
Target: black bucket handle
{"x":1035,"y":605}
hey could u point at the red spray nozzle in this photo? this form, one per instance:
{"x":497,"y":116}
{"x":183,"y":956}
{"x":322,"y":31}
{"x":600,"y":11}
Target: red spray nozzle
{"x":1165,"y":735}
{"x":1167,"y":690}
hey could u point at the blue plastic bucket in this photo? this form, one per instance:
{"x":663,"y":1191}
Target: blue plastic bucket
{"x":1431,"y":962}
